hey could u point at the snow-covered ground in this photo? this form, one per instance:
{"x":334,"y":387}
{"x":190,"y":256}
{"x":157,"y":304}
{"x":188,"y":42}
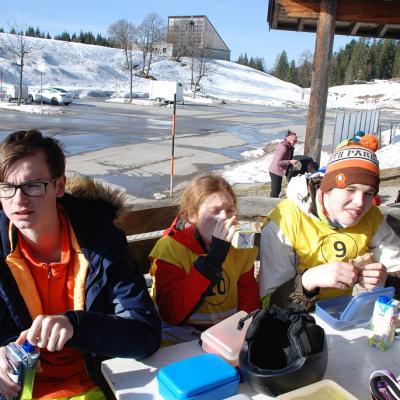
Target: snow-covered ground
{"x":256,"y":169}
{"x":89,"y":70}
{"x":370,"y":95}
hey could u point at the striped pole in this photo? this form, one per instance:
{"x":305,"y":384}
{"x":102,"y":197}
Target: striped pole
{"x":173,"y":147}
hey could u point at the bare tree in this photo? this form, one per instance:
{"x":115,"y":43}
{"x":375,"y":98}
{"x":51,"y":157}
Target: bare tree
{"x":123,"y":33}
{"x":187,"y":43}
{"x":181,"y":40}
{"x":183,"y":37}
{"x":200,"y":66}
{"x":19,"y":48}
{"x":305,"y":68}
{"x":150,"y":31}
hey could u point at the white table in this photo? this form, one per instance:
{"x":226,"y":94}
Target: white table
{"x":350,"y":363}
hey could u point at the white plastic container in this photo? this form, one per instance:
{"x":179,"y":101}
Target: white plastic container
{"x":225,"y":339}
{"x":322,"y":390}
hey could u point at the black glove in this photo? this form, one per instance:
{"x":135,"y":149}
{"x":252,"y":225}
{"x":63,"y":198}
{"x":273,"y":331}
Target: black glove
{"x":210,"y":265}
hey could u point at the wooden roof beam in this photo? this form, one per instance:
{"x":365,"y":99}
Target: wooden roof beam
{"x":365,"y":11}
{"x":354,"y":28}
{"x":300,"y":26}
{"x":382,"y":30}
{"x":275,"y":16}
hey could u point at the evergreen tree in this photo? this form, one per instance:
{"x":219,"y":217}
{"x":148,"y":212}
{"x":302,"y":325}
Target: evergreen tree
{"x":251,"y":63}
{"x":101,"y":41}
{"x":293,"y":72}
{"x":359,"y":61}
{"x":30,"y":31}
{"x":1,"y":30}
{"x":260,"y":64}
{"x":396,"y":63}
{"x":240,"y":59}
{"x":48,"y":36}
{"x":281,"y":69}
{"x":81,"y":37}
{"x":340,"y":63}
{"x":254,"y":62}
{"x":89,"y":38}
{"x":376,"y":50}
{"x":386,"y":59}
{"x":64,"y":37}
{"x":372,"y":59}
{"x":38,"y":33}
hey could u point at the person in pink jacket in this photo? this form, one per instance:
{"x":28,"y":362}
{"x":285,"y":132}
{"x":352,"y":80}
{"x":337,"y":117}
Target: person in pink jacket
{"x":283,"y":157}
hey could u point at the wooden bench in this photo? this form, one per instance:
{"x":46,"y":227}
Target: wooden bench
{"x":144,"y":227}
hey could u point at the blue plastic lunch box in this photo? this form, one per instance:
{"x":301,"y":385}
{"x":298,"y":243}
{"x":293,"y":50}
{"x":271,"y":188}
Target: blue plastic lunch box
{"x":347,"y":311}
{"x":202,"y":377}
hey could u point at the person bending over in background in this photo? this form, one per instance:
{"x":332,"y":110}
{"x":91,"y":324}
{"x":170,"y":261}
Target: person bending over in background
{"x":199,"y":278}
{"x":309,"y":238}
{"x":283,"y":157}
{"x":67,"y":284}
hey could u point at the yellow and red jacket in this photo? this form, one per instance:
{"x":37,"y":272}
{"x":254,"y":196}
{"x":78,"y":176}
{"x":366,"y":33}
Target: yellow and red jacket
{"x":184,"y":293}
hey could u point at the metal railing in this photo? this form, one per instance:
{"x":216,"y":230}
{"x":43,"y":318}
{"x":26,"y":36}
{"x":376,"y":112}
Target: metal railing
{"x":394,"y":132}
{"x":347,"y":124}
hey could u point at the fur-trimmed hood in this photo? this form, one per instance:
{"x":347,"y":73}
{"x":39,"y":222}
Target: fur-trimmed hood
{"x":84,"y":187}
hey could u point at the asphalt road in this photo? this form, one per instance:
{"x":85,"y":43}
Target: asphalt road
{"x":130,"y":145}
{"x":93,"y":124}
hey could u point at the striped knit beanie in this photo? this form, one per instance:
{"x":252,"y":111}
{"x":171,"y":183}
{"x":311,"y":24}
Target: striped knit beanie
{"x":354,"y":163}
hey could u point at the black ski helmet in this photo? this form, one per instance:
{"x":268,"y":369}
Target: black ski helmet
{"x":282,"y":351}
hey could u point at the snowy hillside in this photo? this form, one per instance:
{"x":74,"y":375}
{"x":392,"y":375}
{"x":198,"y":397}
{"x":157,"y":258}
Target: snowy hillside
{"x":370,"y":95}
{"x":89,"y":69}
{"x":82,"y":67}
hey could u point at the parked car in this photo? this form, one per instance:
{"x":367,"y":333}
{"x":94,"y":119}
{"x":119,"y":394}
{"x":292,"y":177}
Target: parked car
{"x":51,"y":95}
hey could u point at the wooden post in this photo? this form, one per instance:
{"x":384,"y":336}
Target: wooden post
{"x":171,"y":191}
{"x":320,"y":79}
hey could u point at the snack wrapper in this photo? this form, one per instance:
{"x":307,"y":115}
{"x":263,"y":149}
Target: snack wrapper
{"x":243,"y":239}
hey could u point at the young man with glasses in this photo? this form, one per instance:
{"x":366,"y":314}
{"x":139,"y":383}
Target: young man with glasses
{"x":66,"y":282}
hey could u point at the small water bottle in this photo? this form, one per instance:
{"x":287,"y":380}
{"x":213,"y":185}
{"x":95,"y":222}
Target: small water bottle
{"x":23,"y":359}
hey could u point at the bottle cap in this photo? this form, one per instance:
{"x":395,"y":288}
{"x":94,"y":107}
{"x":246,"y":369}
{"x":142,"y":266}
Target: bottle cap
{"x":384,"y":299}
{"x":29,"y":348}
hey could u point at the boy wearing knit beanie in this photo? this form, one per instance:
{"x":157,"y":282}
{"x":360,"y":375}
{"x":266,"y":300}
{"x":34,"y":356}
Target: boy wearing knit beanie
{"x":309,"y":239}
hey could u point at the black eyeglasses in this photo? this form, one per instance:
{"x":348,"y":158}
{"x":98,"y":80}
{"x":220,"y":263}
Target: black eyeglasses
{"x":31,"y":189}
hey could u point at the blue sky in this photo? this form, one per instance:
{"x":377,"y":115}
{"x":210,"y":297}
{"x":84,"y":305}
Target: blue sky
{"x":242,"y":24}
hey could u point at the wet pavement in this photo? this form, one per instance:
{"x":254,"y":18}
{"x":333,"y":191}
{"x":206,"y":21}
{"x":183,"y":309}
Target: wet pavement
{"x":130,"y":145}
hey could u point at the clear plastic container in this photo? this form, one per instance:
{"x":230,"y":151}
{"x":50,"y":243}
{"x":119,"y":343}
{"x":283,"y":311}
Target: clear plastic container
{"x":344,"y":312}
{"x":322,"y":390}
{"x":225,"y":339}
